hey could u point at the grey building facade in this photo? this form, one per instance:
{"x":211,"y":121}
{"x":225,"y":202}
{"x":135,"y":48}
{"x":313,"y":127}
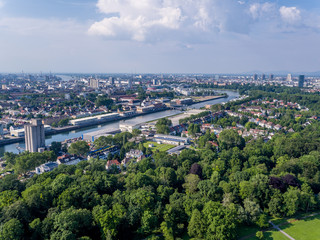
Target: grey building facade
{"x":301,"y":81}
{"x":34,"y":135}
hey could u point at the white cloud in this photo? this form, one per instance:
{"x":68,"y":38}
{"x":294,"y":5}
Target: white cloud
{"x":194,"y":21}
{"x":262,"y":10}
{"x":290,"y":14}
{"x":140,"y":20}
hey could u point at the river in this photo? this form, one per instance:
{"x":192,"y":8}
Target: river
{"x":153,"y":116}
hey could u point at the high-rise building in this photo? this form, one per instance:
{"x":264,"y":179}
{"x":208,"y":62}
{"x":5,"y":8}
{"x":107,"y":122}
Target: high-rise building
{"x":67,"y":96}
{"x":1,"y":130}
{"x":271,"y":77}
{"x":94,"y":83}
{"x":255,"y":77}
{"x":301,"y":81}
{"x":111,"y":80}
{"x":216,"y":77}
{"x":289,"y":77}
{"x":34,"y":135}
{"x":263,"y":77}
{"x":130,"y":83}
{"x":154,"y":81}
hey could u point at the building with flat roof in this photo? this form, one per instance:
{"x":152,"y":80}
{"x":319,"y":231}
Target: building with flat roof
{"x":128,"y":127}
{"x":91,"y":136}
{"x":176,"y":150}
{"x":94,"y":83}
{"x":34,"y":135}
{"x":95,"y":119}
{"x":17,"y":132}
{"x":169,"y":139}
{"x":46,"y":167}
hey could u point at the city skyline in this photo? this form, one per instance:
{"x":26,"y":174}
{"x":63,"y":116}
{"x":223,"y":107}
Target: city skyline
{"x":159,"y":36}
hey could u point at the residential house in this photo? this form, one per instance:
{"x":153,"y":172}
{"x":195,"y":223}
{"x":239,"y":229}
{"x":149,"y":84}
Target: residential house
{"x":111,"y":163}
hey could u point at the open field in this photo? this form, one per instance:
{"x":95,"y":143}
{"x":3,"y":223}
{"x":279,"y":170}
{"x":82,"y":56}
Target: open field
{"x":304,"y":229}
{"x":246,"y":231}
{"x":160,"y":147}
{"x":271,"y":235}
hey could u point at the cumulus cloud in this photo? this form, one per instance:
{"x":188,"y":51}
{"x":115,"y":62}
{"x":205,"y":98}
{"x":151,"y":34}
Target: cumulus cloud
{"x":290,"y":14}
{"x":262,"y":10}
{"x":188,"y":20}
{"x":138,"y":20}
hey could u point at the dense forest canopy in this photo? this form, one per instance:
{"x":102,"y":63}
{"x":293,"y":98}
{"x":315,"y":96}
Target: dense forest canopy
{"x":203,"y":193}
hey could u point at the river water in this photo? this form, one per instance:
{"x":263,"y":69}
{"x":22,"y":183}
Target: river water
{"x":115,"y":125}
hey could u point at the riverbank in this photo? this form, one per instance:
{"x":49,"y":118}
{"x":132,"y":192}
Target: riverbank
{"x":54,"y":131}
{"x":208,"y":98}
{"x":67,"y":133}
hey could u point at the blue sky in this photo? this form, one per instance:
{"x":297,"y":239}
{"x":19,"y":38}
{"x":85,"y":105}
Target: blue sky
{"x":202,"y":36}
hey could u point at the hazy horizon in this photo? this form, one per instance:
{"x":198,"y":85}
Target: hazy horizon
{"x":158,"y":36}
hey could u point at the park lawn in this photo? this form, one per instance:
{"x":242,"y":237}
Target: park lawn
{"x":160,"y":147}
{"x":271,"y":235}
{"x":304,"y":229}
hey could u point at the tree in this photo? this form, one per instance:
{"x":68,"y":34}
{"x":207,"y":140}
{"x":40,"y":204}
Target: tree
{"x":141,"y":93}
{"x":308,"y":200}
{"x":219,"y":221}
{"x":163,"y":125}
{"x":11,"y":230}
{"x":136,"y":132}
{"x":191,"y":183}
{"x":63,"y":122}
{"x":142,"y":148}
{"x":103,"y":101}
{"x":275,"y":205}
{"x":243,"y":120}
{"x":193,"y":129}
{"x":291,"y":200}
{"x":18,"y":210}
{"x":252,"y":210}
{"x":262,"y":222}
{"x":109,"y":220}
{"x":10,"y":182}
{"x":10,"y":158}
{"x":196,"y":225}
{"x":167,"y":176}
{"x":8,"y":197}
{"x":79,"y":148}
{"x":196,"y":169}
{"x":56,"y":147}
{"x":250,"y":125}
{"x":28,"y":161}
{"x":36,"y":228}
{"x":259,"y":235}
{"x":73,"y":223}
{"x":229,"y":139}
{"x":148,"y":222}
{"x":103,"y":141}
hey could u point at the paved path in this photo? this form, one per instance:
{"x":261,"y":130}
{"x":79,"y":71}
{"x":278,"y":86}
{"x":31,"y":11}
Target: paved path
{"x":277,"y":228}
